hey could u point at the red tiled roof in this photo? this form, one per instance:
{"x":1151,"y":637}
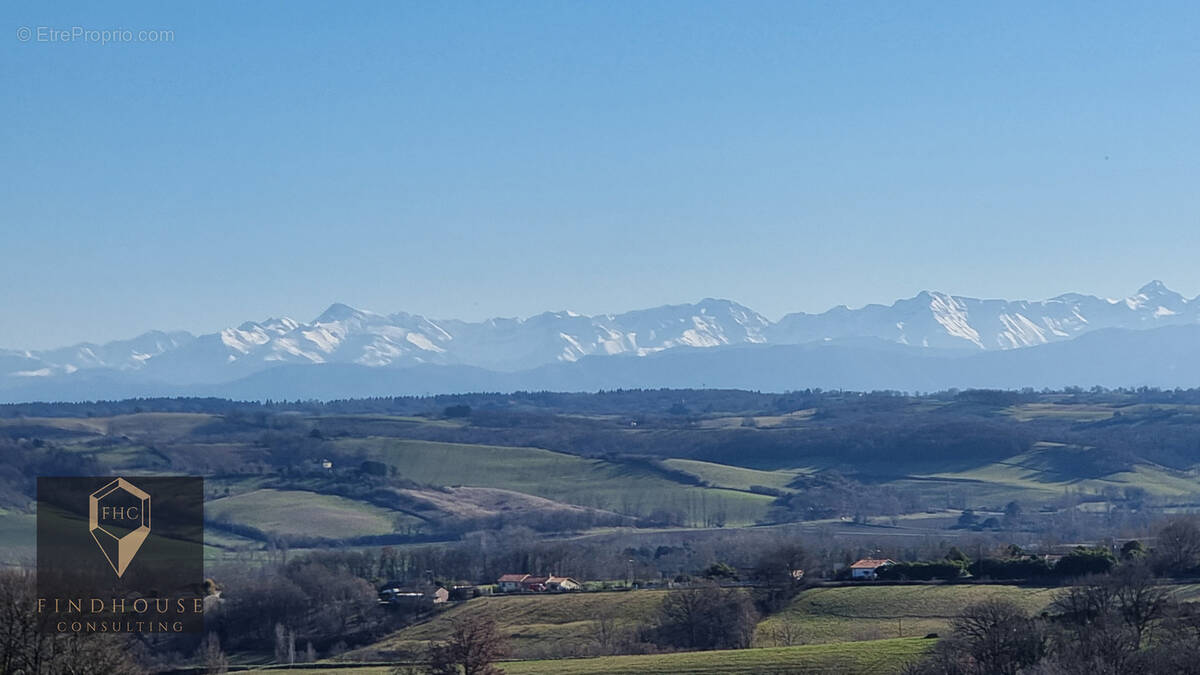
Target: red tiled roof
{"x":870,"y":564}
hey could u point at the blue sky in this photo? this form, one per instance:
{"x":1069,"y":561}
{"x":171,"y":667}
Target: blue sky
{"x":478,"y":159}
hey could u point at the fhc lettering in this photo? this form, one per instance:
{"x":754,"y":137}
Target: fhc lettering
{"x":120,"y":513}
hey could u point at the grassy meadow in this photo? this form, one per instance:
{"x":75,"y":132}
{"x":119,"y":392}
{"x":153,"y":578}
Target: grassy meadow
{"x":849,"y":658}
{"x":875,"y":657}
{"x":297,"y":512}
{"x":733,"y":477}
{"x":535,"y":625}
{"x":850,"y":613}
{"x":616,"y":486}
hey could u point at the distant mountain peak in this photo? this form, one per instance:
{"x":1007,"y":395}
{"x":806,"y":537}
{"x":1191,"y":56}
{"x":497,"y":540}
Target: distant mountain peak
{"x":346,"y":335}
{"x":339,"y":312}
{"x":1157,"y":288}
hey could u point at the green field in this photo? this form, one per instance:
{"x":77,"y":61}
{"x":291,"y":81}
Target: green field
{"x":300,"y":513}
{"x":535,"y":625}
{"x":879,"y":657}
{"x":846,"y":658}
{"x":825,"y":615}
{"x":623,"y":487}
{"x":1049,"y":468}
{"x":1075,"y":413}
{"x":158,"y":426}
{"x":545,"y":625}
{"x":733,"y":477}
{"x":18,"y":537}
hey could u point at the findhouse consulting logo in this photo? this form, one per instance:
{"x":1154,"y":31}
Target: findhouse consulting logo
{"x":119,"y":529}
{"x":117,"y":555}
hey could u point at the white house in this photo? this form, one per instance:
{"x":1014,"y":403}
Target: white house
{"x":868,"y":568}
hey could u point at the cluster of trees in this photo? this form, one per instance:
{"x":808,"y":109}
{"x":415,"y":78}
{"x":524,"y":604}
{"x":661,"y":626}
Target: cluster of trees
{"x":945,"y":570}
{"x":1176,"y":553}
{"x":1018,"y":566}
{"x":31,"y":648}
{"x":1123,"y":622}
{"x":703,"y":617}
{"x":322,"y":602}
{"x":829,"y":494}
{"x":26,"y":459}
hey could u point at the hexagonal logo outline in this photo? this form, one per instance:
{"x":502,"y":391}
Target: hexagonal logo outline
{"x":128,"y":545}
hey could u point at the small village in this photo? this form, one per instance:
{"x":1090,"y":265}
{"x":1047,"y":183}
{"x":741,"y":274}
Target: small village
{"x":956,"y":568}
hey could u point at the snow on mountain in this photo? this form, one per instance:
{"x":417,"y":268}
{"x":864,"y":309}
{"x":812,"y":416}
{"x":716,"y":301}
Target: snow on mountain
{"x":346,"y":335}
{"x":515,"y":344}
{"x":122,"y":354}
{"x":343,"y":334}
{"x":938,"y":320}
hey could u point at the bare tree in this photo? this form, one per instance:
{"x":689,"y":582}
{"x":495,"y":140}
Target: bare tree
{"x":1177,"y":547}
{"x":26,"y":646}
{"x":609,"y":627}
{"x":1130,"y":597}
{"x":707,"y":617}
{"x":212,"y":656}
{"x":285,"y":645}
{"x":1089,"y":601}
{"x":1140,"y":601}
{"x":475,"y":644}
{"x":22,"y":647}
{"x":781,"y":570}
{"x":786,"y":632}
{"x":999,"y":636}
{"x":91,"y":654}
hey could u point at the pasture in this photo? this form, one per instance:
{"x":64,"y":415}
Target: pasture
{"x":850,"y":613}
{"x":301,"y":513}
{"x":624,"y":487}
{"x":534,"y":625}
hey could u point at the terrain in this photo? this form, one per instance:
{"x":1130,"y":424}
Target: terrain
{"x":537,"y":626}
{"x":407,"y":471}
{"x":928,"y":342}
{"x":633,"y":493}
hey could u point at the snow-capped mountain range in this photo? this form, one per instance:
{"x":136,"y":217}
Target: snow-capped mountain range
{"x":343,"y":334}
{"x":938,"y":320}
{"x":930,"y":321}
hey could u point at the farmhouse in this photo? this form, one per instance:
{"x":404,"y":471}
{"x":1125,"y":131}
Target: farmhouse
{"x":553,"y":583}
{"x":511,"y":583}
{"x":868,"y":568}
{"x":413,"y":597}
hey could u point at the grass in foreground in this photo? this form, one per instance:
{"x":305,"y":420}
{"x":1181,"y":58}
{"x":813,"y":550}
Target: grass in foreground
{"x":848,"y":658}
{"x":877,"y":657}
{"x":535,"y":625}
